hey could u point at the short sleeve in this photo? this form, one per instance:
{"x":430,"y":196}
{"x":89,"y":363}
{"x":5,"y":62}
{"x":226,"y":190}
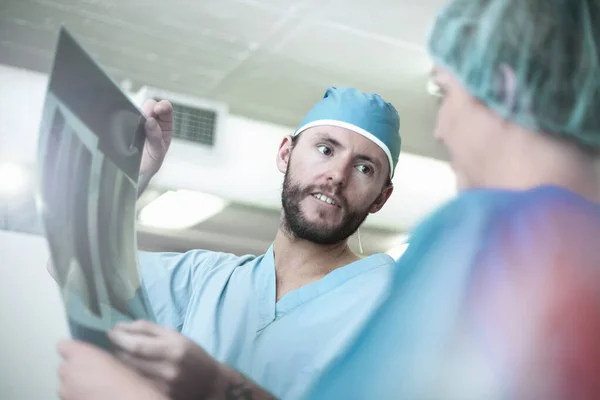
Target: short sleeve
{"x":170,"y":279}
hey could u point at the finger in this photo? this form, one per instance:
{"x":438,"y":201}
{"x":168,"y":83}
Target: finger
{"x":70,"y":349}
{"x":148,"y":107}
{"x":147,"y":368}
{"x":164,"y":110}
{"x":138,"y":345}
{"x":141,"y":327}
{"x":161,"y":386}
{"x":154,"y":133}
{"x":164,"y":114}
{"x":66,"y":348}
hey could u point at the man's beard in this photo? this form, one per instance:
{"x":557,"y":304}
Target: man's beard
{"x":296,"y":223}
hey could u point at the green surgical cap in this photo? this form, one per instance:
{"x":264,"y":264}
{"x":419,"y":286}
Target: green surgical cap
{"x":550,"y":45}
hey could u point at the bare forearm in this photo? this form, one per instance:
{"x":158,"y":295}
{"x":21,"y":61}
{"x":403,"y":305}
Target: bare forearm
{"x":232,"y":385}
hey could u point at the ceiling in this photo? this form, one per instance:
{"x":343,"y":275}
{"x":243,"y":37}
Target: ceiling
{"x":267,"y":59}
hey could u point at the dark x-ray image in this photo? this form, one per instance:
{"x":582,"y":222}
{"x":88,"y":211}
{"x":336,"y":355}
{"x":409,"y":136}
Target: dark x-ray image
{"x":89,"y":152}
{"x":67,"y":165}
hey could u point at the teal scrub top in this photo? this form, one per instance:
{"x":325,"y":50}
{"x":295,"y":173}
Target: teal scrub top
{"x":226,"y":304}
{"x":492,"y":283}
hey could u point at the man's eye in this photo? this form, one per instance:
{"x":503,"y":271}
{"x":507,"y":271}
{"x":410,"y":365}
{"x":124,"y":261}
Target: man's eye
{"x":324,"y":149}
{"x":364,"y":169}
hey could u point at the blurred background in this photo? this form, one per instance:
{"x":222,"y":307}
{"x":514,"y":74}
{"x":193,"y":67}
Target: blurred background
{"x":241,"y":74}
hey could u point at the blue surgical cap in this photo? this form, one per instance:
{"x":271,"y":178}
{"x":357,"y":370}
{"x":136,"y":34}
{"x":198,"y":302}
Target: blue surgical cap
{"x":364,"y":113}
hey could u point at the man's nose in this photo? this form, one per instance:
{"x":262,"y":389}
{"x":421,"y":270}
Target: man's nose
{"x":338,"y":173}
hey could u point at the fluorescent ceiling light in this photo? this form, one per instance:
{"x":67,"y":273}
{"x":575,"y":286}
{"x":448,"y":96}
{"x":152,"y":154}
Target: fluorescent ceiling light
{"x":180,"y":209}
{"x":13,"y":179}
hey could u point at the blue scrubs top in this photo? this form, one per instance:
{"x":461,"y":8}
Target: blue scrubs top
{"x":474,"y":294}
{"x":227,"y":305}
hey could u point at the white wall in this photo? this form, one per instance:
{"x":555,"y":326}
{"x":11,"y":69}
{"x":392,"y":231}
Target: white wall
{"x":32,"y":320}
{"x":250,"y":146}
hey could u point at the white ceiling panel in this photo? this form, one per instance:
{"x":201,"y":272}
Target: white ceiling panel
{"x":268,"y":59}
{"x":354,"y":54}
{"x":402,"y":22}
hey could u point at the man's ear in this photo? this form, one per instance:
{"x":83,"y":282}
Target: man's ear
{"x":283,"y":154}
{"x":382,"y":199}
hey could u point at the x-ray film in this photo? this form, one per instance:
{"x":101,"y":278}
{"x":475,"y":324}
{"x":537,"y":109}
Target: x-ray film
{"x":89,"y":152}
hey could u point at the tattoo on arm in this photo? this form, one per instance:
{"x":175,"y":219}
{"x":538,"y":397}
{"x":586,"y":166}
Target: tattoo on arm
{"x":232,"y":385}
{"x":238,"y":391}
{"x":245,"y":390}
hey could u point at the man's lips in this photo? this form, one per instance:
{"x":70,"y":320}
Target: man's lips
{"x":328,"y":199}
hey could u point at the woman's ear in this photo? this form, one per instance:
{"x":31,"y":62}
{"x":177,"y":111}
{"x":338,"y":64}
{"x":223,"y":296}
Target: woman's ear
{"x":283,"y":154}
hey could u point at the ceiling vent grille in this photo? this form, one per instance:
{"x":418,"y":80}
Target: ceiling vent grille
{"x":194,"y":124}
{"x":197,"y":122}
